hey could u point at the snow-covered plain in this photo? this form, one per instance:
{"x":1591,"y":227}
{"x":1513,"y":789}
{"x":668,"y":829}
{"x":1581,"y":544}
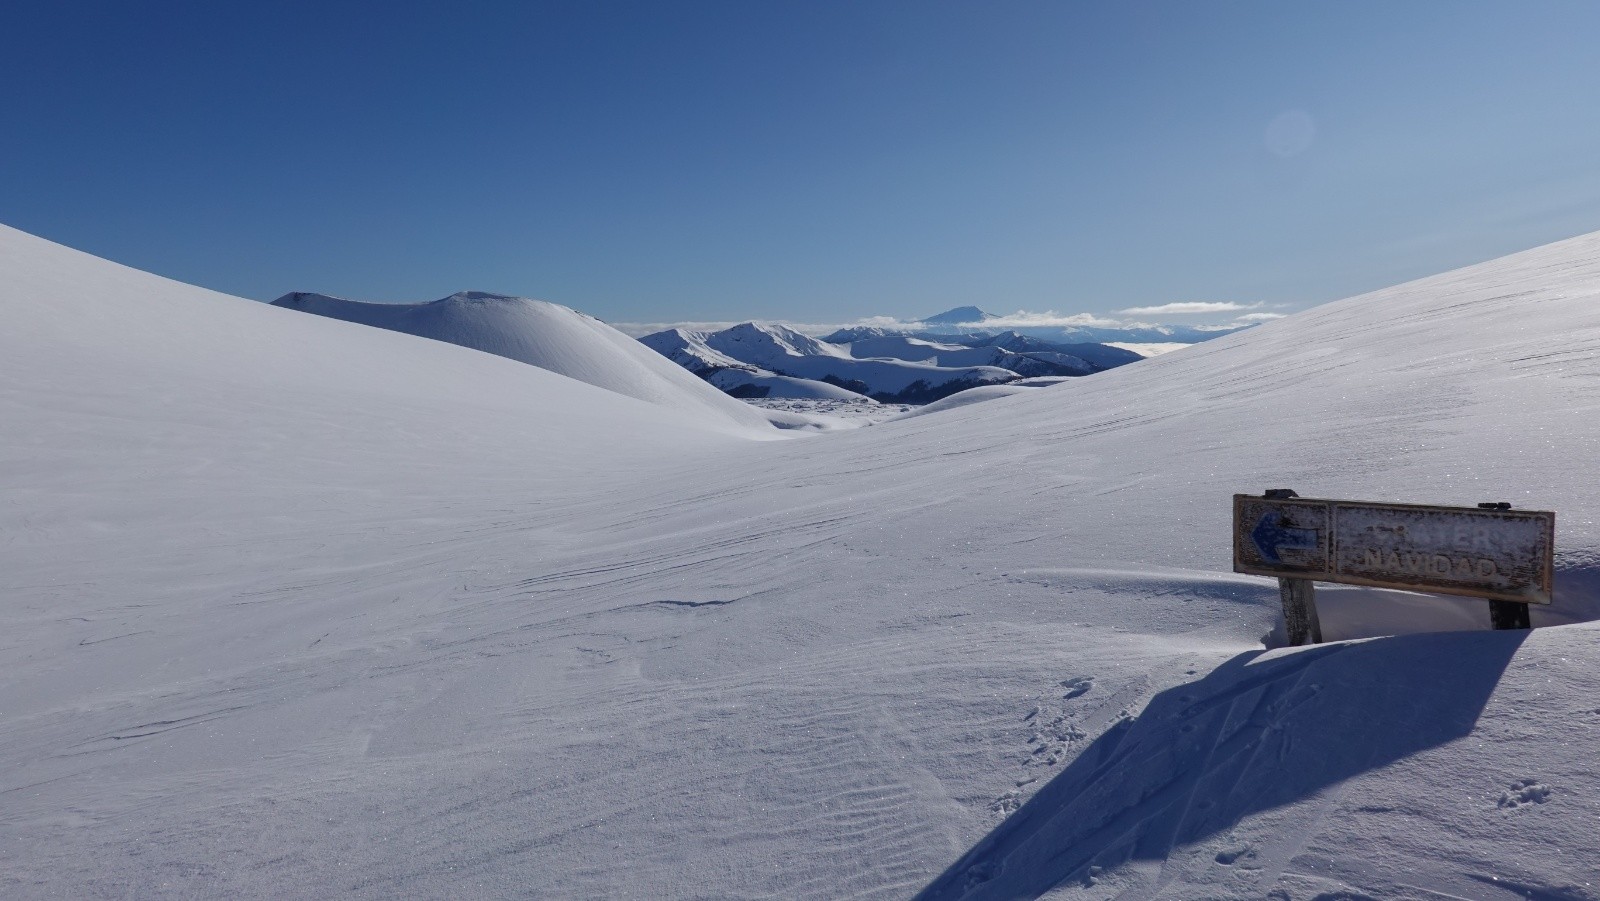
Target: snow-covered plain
{"x":292,"y":607}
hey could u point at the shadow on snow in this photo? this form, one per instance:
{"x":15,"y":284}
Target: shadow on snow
{"x":1251,"y":736}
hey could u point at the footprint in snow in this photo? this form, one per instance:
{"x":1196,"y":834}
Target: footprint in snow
{"x":1077,"y":688}
{"x":1232,"y":855}
{"x":1007,"y":802}
{"x":1524,"y":792}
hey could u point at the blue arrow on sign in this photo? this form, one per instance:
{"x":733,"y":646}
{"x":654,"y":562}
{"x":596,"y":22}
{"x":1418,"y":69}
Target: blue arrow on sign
{"x":1270,"y":538}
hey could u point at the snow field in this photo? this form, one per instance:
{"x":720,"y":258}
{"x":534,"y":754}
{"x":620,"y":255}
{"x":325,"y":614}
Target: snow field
{"x":310,"y":612}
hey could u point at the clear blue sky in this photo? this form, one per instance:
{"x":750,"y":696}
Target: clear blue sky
{"x":813,"y":161}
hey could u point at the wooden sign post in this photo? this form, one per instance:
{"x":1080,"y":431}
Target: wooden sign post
{"x":1489,"y":551}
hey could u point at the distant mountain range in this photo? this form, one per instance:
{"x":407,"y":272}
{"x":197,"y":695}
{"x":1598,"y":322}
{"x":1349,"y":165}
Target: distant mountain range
{"x":750,"y":360}
{"x":766,"y":360}
{"x":966,"y":324}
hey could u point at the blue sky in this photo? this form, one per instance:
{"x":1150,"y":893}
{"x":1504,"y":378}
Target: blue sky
{"x":809,"y":161}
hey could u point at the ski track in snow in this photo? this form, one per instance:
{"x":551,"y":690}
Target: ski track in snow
{"x":294,"y":607}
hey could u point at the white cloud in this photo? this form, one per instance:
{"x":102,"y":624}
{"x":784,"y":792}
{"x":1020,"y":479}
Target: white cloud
{"x":1184,"y":308}
{"x":881,"y":322}
{"x":1259,"y":317}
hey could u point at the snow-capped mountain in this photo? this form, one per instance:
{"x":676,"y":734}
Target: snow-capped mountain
{"x":1034,"y":363}
{"x":297,"y":608}
{"x":690,"y":350}
{"x":766,"y":350}
{"x":959,"y":316}
{"x":1102,"y":356}
{"x":546,"y":335}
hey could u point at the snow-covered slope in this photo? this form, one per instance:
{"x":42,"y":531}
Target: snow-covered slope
{"x":736,"y":377}
{"x":290,"y":610}
{"x":542,"y":334}
{"x":983,"y":393}
{"x":768,"y":349}
{"x":689,"y":350}
{"x":919,"y":350}
{"x":1103,"y":356}
{"x":759,"y":383}
{"x":1076,"y":358}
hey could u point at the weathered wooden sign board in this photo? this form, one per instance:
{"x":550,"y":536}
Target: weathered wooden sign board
{"x":1505,"y":555}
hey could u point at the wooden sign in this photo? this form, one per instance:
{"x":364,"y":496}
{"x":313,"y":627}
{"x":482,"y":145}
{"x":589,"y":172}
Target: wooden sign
{"x":1504,"y":555}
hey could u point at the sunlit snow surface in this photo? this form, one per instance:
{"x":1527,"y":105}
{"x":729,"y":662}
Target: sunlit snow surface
{"x":1150,"y":348}
{"x":549,"y":336}
{"x":294,"y":607}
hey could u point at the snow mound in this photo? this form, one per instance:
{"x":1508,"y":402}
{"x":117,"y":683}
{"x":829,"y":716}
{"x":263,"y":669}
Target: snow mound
{"x":983,"y":393}
{"x":546,"y":335}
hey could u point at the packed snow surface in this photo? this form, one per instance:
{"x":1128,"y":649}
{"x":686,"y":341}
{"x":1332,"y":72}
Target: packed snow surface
{"x":297,"y":608}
